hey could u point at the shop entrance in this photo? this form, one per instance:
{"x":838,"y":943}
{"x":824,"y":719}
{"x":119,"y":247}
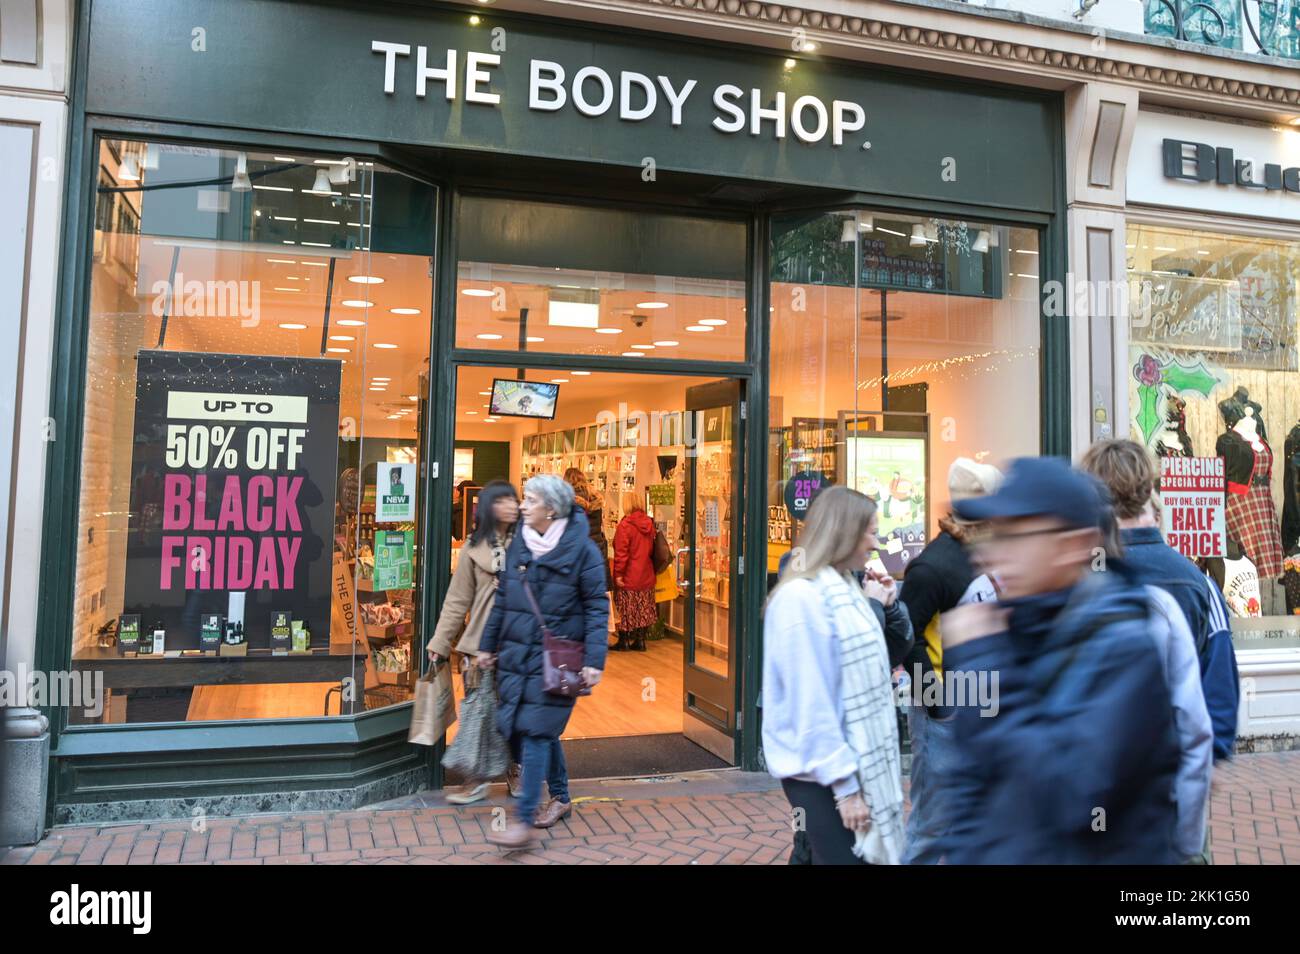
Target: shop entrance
{"x":670,"y":445}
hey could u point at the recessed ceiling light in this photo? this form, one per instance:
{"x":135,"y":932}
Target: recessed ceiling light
{"x":713,"y":321}
{"x":337,"y":350}
{"x":559,"y":380}
{"x":485,"y":393}
{"x":652,"y":305}
{"x":365,"y":279}
{"x":644,"y":347}
{"x":404,"y":311}
{"x":488,"y":337}
{"x":486,"y":405}
{"x":316,"y":264}
{"x":379,"y":388}
{"x":609,"y":331}
{"x":292,"y":326}
{"x":357,"y":303}
{"x":698,"y":328}
{"x":580,"y":374}
{"x":385,"y":345}
{"x":283,"y":261}
{"x":534,"y":340}
{"x":413,"y":397}
{"x":284,"y":159}
{"x":634,"y":354}
{"x":376,"y":378}
{"x":342,"y":338}
{"x":666,"y":344}
{"x":471,"y":412}
{"x":287,"y":289}
{"x":489,"y":420}
{"x":477,"y":292}
{"x":352,"y":322}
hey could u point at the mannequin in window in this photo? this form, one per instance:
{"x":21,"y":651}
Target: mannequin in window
{"x":1291,"y":490}
{"x":1242,"y":397}
{"x":1251,"y":516}
{"x":1174,"y":441}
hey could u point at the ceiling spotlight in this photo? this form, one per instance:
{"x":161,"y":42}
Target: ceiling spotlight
{"x":634,"y":354}
{"x":918,"y":236}
{"x":289,"y":326}
{"x":488,"y":337}
{"x":404,"y":311}
{"x":240,"y":181}
{"x":665,"y":344}
{"x":698,"y":328}
{"x":385,"y":345}
{"x":365,"y":280}
{"x":342,"y":338}
{"x":609,"y":331}
{"x":652,"y":305}
{"x":981,"y":243}
{"x":533,"y":339}
{"x":477,"y":292}
{"x":644,"y":347}
{"x":337,"y":350}
{"x":351,"y":322}
{"x":357,"y":303}
{"x":580,"y":374}
{"x":713,"y":321}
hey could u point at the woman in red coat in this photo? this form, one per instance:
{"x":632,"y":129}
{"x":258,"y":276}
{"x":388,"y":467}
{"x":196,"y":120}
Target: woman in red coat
{"x":634,"y":575}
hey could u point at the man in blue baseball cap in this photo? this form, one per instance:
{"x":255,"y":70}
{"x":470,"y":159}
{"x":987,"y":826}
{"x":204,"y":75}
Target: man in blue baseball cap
{"x":1074,"y":762}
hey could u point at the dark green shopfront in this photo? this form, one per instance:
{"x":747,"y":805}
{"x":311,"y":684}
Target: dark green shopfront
{"x":719,"y":275}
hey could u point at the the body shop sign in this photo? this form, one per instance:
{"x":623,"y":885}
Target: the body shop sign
{"x":1192,"y":505}
{"x":631,"y":96}
{"x":232,"y":470}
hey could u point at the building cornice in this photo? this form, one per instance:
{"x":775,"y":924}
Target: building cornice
{"x":952,"y":38}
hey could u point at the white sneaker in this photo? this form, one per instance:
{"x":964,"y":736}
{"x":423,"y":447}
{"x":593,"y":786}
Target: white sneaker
{"x":469,"y":794}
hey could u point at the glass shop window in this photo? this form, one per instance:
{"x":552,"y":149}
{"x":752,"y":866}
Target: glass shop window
{"x":257,"y":362}
{"x":1215,"y":375}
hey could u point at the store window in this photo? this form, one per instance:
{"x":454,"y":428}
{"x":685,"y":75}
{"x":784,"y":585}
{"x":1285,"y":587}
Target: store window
{"x":567,"y":280}
{"x":899,"y":343}
{"x":257,"y":361}
{"x":1215,"y":374}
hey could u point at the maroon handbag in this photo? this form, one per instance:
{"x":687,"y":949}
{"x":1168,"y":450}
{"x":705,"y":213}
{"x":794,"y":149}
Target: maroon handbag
{"x":561,"y":658}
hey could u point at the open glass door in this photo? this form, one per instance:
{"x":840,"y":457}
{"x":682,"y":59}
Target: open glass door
{"x":708,"y":564}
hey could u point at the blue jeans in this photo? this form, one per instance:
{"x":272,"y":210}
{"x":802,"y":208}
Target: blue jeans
{"x":541,"y":758}
{"x":933,"y":757}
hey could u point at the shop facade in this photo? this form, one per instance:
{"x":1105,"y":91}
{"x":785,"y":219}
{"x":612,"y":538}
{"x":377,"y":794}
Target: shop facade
{"x":306,"y":286}
{"x":1211,"y":368}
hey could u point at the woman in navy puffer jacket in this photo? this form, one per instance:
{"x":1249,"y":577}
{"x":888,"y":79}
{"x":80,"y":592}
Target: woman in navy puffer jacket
{"x":566,"y":574}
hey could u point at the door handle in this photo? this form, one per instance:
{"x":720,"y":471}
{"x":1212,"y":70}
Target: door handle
{"x":681,"y":582}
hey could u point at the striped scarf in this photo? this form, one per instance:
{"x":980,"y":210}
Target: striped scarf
{"x":870,"y":723}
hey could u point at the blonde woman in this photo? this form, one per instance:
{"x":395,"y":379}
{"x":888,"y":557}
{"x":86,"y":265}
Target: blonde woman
{"x":830,"y":732}
{"x":589,"y":502}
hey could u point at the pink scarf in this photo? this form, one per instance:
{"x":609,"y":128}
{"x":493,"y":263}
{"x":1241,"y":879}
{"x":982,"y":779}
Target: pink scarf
{"x":539,"y":544}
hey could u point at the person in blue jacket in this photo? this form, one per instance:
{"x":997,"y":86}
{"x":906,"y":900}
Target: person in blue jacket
{"x":1070,"y":757}
{"x":566,"y":574}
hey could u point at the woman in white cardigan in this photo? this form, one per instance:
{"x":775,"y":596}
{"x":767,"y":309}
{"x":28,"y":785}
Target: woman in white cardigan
{"x":830,"y":732}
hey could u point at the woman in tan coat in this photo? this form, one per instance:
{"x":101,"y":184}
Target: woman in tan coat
{"x":468,"y":603}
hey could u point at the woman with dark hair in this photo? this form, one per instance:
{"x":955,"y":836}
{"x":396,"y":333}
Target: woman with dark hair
{"x":469,"y":600}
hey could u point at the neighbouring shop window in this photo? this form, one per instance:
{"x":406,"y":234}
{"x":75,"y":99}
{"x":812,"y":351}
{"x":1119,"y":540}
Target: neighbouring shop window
{"x":1214,"y":374}
{"x":899,"y":344}
{"x":564,"y":279}
{"x":257,"y":364}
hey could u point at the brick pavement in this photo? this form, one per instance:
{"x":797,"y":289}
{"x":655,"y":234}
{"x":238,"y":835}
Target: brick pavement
{"x":704,"y":818}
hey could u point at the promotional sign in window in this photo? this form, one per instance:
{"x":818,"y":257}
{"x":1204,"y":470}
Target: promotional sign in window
{"x":395,"y":490}
{"x":891,"y":469}
{"x":393,"y":564}
{"x":1192,"y":505}
{"x":233,"y":473}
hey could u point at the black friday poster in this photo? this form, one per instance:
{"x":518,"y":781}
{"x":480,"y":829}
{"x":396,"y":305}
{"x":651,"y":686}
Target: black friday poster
{"x":233,"y":471}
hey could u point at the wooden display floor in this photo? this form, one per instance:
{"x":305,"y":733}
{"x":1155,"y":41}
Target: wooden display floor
{"x":640,"y":694}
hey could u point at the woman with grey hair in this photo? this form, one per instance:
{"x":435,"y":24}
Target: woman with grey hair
{"x":553,"y":576}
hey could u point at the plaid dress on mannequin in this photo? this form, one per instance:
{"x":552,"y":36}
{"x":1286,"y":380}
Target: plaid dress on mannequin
{"x":1252,"y":519}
